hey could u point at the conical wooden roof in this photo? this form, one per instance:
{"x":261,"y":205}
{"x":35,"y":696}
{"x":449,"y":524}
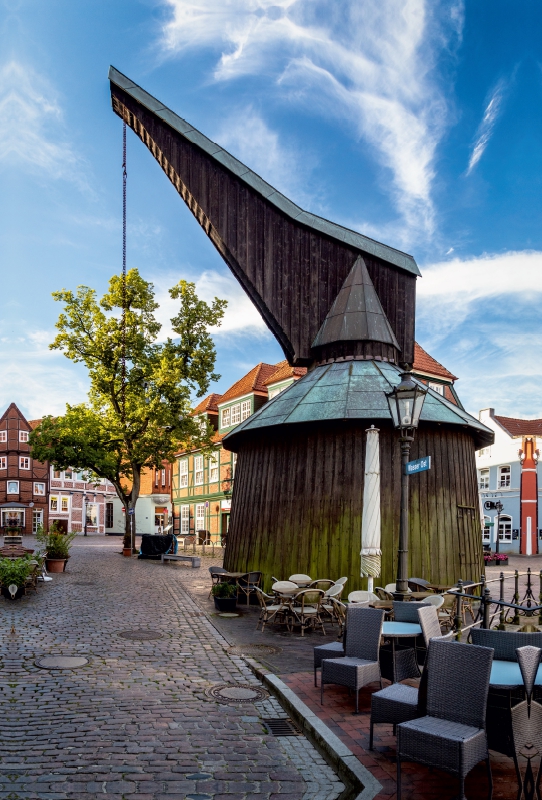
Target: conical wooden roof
{"x":356,"y":314}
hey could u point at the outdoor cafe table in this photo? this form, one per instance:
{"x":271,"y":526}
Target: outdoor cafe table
{"x":403,"y":662}
{"x":506,"y":675}
{"x":439,"y":588}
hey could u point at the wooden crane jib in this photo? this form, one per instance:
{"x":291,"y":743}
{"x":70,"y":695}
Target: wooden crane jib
{"x":291,"y":263}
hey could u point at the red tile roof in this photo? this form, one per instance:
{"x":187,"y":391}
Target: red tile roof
{"x":521,"y":427}
{"x":426,"y":364}
{"x":209,"y":403}
{"x":34,"y":423}
{"x":253,"y":381}
{"x":284,"y":371}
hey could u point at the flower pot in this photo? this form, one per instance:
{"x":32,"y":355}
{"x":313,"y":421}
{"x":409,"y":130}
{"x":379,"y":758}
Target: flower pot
{"x":226,"y":605}
{"x":55,"y":564}
{"x":502,"y":562}
{"x":127,"y":551}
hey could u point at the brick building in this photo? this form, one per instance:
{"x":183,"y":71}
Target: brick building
{"x":24,"y":482}
{"x":78,"y":503}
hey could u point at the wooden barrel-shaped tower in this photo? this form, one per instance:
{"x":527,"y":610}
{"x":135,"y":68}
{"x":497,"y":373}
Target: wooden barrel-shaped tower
{"x":342,"y":305}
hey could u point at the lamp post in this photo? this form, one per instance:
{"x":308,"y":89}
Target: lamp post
{"x":405,"y":402}
{"x":84,"y":513}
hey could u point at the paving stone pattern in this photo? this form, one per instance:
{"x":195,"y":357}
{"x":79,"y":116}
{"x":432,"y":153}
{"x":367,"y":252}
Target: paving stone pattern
{"x":134,"y":722}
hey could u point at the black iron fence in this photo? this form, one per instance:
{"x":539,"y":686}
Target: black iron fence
{"x":486,"y":608}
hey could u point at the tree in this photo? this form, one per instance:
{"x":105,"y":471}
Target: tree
{"x":138,"y":413}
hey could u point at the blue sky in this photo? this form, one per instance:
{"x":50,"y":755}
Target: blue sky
{"x":415,"y":122}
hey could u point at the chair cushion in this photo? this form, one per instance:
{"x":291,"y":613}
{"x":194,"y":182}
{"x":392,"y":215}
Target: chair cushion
{"x":394,"y":704}
{"x":447,"y":745}
{"x":331,"y":650}
{"x":351,"y":672}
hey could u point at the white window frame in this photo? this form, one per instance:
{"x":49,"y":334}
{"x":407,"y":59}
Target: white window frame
{"x":246,"y":409}
{"x":235,"y":414}
{"x":24,"y":462}
{"x":92,"y":515}
{"x":23,"y":436}
{"x":198,"y":470}
{"x":53,"y":502}
{"x":3,"y":462}
{"x":37,"y":519}
{"x":66,"y":476}
{"x":486,"y":533}
{"x":183,"y":473}
{"x":225,"y":418}
{"x":214,"y":468}
{"x":437,"y":387}
{"x":504,"y":480}
{"x":505,"y":528}
{"x":11,"y":491}
{"x":199,"y":517}
{"x":484,"y":474}
{"x":3,"y":436}
{"x":185,"y":520}
{"x":36,"y":491}
{"x":65,"y":501}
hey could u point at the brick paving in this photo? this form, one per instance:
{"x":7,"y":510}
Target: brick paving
{"x":134,"y":722}
{"x":294,"y":664}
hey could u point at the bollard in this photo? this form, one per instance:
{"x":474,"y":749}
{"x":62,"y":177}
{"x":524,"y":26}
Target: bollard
{"x":501,"y":626}
{"x":487,"y":604}
{"x":515,"y":620}
{"x":459,"y":611}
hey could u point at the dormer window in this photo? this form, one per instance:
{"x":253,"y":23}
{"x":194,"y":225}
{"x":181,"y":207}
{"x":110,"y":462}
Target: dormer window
{"x":236,"y":414}
{"x":246,"y":409}
{"x":437,"y":387}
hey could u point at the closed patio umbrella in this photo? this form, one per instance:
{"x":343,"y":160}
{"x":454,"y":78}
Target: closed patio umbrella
{"x":370,"y":526}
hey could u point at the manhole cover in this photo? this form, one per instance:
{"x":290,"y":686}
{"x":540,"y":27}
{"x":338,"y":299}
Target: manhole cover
{"x":61,"y":662}
{"x":254,"y":650}
{"x":140,"y":636}
{"x":236,"y":693}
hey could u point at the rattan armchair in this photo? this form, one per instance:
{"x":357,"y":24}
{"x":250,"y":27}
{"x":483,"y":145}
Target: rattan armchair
{"x":270,"y":609}
{"x":307,"y":609}
{"x":360,"y":664}
{"x":452,"y":735}
{"x":247,"y":584}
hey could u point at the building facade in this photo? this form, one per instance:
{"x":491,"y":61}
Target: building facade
{"x":24,"y":482}
{"x":202,"y":486}
{"x":508,"y":471}
{"x":80,"y":504}
{"x":153,"y":508}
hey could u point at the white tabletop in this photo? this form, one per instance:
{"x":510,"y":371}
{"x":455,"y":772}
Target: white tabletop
{"x":401,"y":629}
{"x":507,"y":675}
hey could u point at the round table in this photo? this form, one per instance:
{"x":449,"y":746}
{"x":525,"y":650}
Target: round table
{"x":507,"y":675}
{"x":404,"y":663}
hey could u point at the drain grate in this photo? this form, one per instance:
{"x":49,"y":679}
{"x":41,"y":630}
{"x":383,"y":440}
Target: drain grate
{"x":140,"y":636}
{"x":282,"y":727}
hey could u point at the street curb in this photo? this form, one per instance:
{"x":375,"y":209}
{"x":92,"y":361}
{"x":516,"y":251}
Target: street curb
{"x":336,"y":753}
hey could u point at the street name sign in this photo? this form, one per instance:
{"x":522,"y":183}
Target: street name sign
{"x":419,"y":465}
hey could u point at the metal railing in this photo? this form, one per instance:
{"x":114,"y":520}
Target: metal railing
{"x":529,"y":607}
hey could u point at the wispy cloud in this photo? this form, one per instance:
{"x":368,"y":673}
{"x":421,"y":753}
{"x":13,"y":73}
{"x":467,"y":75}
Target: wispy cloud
{"x":368,"y":64}
{"x":487,"y":125}
{"x":248,"y":137}
{"x":241,"y":317}
{"x":31,"y":125}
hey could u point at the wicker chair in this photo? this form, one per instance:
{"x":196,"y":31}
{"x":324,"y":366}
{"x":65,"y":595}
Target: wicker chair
{"x":247,"y":584}
{"x":333,"y":593}
{"x":216,"y":572}
{"x":399,"y":703}
{"x":342,"y":580}
{"x":417,"y":584}
{"x":269,"y":609}
{"x":324,"y":584}
{"x":360,"y":665}
{"x":451,"y":736}
{"x":327,"y":651}
{"x":383,"y":595}
{"x":308,"y":609}
{"x":362,"y":596}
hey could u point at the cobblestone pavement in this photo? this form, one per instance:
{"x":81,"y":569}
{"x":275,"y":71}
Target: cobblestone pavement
{"x":135,"y":721}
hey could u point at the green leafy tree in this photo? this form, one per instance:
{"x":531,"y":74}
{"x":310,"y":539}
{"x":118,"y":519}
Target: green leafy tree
{"x":136,"y":415}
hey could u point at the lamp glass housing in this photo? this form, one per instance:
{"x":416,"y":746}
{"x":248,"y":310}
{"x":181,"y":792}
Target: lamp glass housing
{"x":406,"y":402}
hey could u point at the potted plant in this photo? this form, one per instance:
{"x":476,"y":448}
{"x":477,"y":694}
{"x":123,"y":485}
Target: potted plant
{"x":501,"y":559}
{"x":57,"y":548}
{"x":14,"y":572}
{"x":225,"y":596}
{"x":489,"y":559}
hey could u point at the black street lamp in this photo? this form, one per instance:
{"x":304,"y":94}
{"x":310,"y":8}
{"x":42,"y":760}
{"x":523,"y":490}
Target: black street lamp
{"x":405,"y":402}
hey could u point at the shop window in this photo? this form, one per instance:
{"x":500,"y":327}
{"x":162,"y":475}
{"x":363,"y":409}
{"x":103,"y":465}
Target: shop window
{"x":92,"y":515}
{"x":505,"y":528}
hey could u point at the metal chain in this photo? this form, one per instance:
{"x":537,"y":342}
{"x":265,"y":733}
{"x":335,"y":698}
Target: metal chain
{"x":123,"y":320}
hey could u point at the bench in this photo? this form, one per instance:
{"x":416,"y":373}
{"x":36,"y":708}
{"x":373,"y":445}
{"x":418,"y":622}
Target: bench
{"x":194,"y":560}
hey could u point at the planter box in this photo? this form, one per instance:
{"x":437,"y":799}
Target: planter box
{"x":226,"y":605}
{"x":503,"y":562}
